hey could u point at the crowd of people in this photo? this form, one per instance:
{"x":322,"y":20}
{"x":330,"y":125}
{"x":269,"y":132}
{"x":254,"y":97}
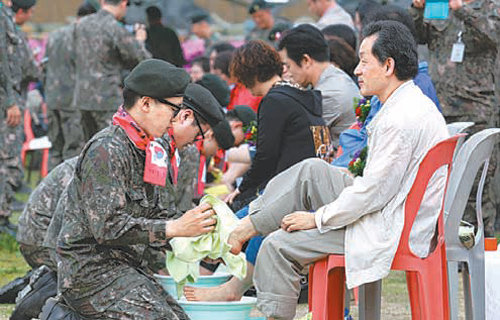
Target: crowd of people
{"x":314,"y":132}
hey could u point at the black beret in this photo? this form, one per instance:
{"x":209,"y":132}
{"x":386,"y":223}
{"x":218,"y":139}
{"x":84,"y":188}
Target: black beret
{"x":199,"y":17}
{"x":223,"y":135}
{"x":204,"y":104}
{"x":244,"y":113}
{"x":157,"y":79}
{"x":257,"y":5}
{"x":24,"y":4}
{"x":217,"y":87}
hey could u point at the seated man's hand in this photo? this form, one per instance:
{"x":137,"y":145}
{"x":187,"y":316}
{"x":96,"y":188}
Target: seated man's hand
{"x":299,"y":220}
{"x":193,"y":223}
{"x":13,"y":116}
{"x":230,"y":197}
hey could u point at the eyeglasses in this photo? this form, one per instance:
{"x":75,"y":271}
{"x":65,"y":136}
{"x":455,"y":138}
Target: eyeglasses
{"x":176,"y":107}
{"x":201,"y":136}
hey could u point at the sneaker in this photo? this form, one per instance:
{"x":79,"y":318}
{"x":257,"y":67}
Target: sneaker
{"x":466,"y":234}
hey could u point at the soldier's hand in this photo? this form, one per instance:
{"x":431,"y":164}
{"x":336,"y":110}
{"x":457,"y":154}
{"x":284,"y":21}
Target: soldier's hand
{"x":13,"y":116}
{"x":140,"y":32}
{"x":193,"y":223}
{"x":230,"y":197}
{"x":419,"y":4}
{"x":456,"y":4}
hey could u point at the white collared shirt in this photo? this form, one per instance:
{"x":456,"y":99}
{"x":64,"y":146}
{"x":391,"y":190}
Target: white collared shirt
{"x":372,"y":209}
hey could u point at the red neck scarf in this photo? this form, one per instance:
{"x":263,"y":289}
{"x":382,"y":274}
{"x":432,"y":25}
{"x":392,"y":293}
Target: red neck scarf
{"x":156,"y":167}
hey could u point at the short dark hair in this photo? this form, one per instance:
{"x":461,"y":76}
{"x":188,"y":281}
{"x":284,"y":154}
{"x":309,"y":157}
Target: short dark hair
{"x":223,"y":61}
{"x":221,"y":47}
{"x":365,"y":7}
{"x":343,"y":55}
{"x":342,"y":31}
{"x":393,"y":13}
{"x":203,"y":62}
{"x":305,"y":39}
{"x":153,"y":14}
{"x":255,"y":61}
{"x":85,"y":9}
{"x":395,"y":41}
{"x":130,"y":97}
{"x":16,"y":8}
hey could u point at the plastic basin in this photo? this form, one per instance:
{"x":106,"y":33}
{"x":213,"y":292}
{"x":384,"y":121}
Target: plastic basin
{"x":214,"y":280}
{"x":232,"y":310}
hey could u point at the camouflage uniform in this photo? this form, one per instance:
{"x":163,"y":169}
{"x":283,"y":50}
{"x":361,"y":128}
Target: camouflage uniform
{"x":188,"y":177}
{"x":10,"y":145}
{"x":6,"y":100}
{"x":263,"y":34}
{"x":65,"y":128}
{"x":103,"y":49}
{"x":466,"y":90}
{"x":112,"y":222}
{"x":38,"y":213}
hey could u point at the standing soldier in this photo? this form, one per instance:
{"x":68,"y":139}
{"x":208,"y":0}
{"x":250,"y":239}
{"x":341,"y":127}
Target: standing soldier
{"x":104,"y":49}
{"x":11,"y":129}
{"x":121,"y":201}
{"x":65,"y":128}
{"x":462,"y":53}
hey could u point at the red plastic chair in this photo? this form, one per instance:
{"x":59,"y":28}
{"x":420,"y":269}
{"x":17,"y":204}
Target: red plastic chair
{"x":426,"y":278}
{"x":28,"y":146}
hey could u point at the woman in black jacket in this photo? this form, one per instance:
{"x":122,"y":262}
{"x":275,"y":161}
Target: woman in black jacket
{"x":287,"y":117}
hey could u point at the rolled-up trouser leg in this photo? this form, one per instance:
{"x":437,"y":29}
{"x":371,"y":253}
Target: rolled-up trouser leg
{"x":282,"y":258}
{"x":308,"y":185}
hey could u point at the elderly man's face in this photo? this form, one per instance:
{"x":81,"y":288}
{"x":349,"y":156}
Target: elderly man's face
{"x":371,"y":73}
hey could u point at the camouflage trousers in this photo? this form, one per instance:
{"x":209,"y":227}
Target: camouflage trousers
{"x":66,"y":135}
{"x":37,"y":256}
{"x":147,"y":300}
{"x":484,"y":118}
{"x":11,"y":169}
{"x":95,"y":121}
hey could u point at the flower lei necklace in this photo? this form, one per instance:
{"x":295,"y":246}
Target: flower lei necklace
{"x":251,"y":133}
{"x":361,"y":109}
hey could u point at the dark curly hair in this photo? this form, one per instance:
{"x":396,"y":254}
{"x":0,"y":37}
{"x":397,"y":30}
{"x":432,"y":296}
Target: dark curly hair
{"x":255,"y":61}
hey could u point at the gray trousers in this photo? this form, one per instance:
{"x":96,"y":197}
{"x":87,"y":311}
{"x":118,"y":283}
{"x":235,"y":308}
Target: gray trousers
{"x":284,"y":256}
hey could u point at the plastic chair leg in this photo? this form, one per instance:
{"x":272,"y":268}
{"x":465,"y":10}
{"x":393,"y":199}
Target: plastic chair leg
{"x":335,"y":295}
{"x":453,"y":288}
{"x":467,"y":291}
{"x":370,"y":295}
{"x":414,"y":294}
{"x":318,"y":290}
{"x":44,"y":170}
{"x":434,"y":295}
{"x":477,"y":286}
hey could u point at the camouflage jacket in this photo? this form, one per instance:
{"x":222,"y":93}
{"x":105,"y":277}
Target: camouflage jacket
{"x":29,"y":68}
{"x":466,"y":88}
{"x":37,"y":214}
{"x":188,"y":177}
{"x":103,"y":49}
{"x":8,"y":42}
{"x":59,"y":80}
{"x":112,"y":217}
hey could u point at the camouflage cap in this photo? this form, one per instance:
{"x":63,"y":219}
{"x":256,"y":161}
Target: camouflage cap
{"x":257,"y":5}
{"x":204,"y":104}
{"x":24,"y":4}
{"x":217,"y":87}
{"x":157,"y":79}
{"x":244,"y":113}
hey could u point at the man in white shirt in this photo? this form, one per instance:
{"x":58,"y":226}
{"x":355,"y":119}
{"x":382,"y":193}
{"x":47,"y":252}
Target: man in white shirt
{"x":360,"y":217}
{"x":329,"y":12}
{"x":305,"y":53}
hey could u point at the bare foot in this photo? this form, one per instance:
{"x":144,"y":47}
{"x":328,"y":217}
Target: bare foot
{"x":220,"y":293}
{"x":241,"y":234}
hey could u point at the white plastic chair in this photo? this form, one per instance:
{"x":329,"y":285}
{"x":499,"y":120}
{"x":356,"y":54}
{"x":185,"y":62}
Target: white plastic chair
{"x":475,"y":152}
{"x":458,"y":127}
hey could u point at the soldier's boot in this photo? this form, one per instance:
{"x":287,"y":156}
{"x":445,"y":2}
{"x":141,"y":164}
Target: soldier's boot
{"x":8,"y":293}
{"x":29,"y":302}
{"x":7,"y":227}
{"x":56,"y":309}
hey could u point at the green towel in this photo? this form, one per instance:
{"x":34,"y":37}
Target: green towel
{"x":183,"y":262}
